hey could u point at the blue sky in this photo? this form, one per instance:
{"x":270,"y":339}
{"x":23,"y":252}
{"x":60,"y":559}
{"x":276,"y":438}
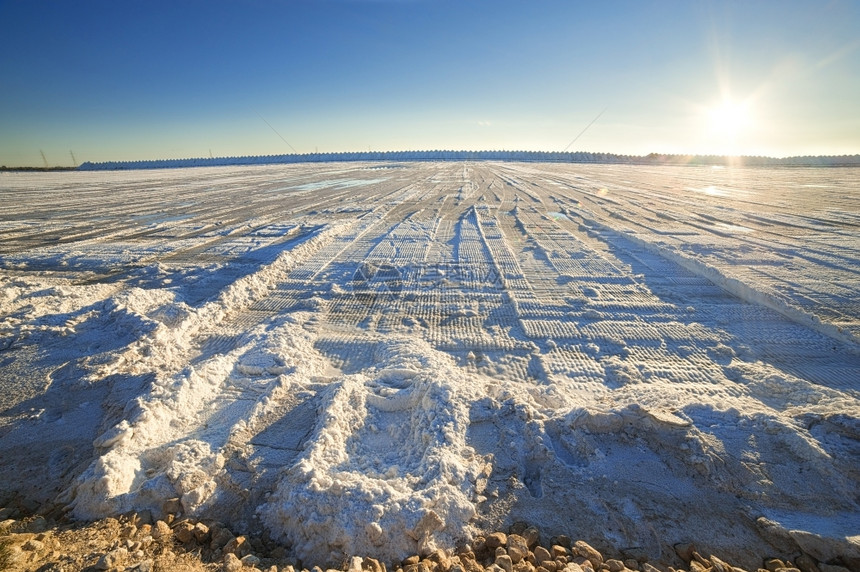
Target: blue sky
{"x":128,"y":80}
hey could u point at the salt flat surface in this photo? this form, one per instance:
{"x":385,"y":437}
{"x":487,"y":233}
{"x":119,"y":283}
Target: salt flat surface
{"x":379,"y":358}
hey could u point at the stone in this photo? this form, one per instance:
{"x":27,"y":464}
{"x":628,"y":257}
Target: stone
{"x":504,"y":562}
{"x":238,"y":546}
{"x":471,"y":565}
{"x":524,"y":566}
{"x":201,"y":532}
{"x":696,"y":566}
{"x":171,"y":506}
{"x":414,"y":559}
{"x":249,"y":560}
{"x":220,"y":537}
{"x":372,"y":565}
{"x":572,"y":567}
{"x":831,"y":568}
{"x":720,"y":566}
{"x":558,"y":550}
{"x":161,"y":530}
{"x":562,"y":540}
{"x":33,"y":545}
{"x":112,"y":559}
{"x":614,"y":565}
{"x":631,"y":564}
{"x":232,"y":563}
{"x":184,"y":531}
{"x":806,"y":563}
{"x":37,"y":524}
{"x":439,"y":556}
{"x":646,"y":567}
{"x":496,"y":540}
{"x":532,"y":536}
{"x":584,"y":549}
{"x":518,"y":548}
{"x":773,"y":564}
{"x":685,"y":551}
{"x":541,"y":554}
{"x":518,"y":527}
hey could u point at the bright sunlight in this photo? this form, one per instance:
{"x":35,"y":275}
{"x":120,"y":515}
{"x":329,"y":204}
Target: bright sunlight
{"x":728,"y":125}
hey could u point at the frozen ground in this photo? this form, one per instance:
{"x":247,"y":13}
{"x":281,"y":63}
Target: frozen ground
{"x":376,"y":358}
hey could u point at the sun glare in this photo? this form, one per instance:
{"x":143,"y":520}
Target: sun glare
{"x":728,"y":124}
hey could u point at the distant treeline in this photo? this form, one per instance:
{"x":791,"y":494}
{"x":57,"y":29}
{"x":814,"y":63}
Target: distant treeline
{"x":5,"y":168}
{"x":527,"y":156}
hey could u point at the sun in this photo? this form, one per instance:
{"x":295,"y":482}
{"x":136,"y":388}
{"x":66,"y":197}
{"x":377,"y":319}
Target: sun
{"x":728,"y":125}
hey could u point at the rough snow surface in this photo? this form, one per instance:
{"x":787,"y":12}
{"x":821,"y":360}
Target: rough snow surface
{"x":379,"y":359}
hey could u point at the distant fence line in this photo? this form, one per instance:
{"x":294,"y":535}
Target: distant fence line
{"x":519,"y":156}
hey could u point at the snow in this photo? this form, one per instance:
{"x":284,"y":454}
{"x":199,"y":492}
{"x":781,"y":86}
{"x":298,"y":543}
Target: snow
{"x":378,"y":365}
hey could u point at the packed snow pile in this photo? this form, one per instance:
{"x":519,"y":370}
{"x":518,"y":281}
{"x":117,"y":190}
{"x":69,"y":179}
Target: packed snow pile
{"x":379,"y":359}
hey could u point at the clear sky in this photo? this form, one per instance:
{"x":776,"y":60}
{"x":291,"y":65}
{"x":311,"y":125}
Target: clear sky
{"x":148,"y":79}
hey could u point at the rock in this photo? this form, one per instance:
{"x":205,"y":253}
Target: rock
{"x":614,"y":565}
{"x":33,"y":545}
{"x":518,"y":547}
{"x":518,"y":527}
{"x":696,"y":566}
{"x":372,"y":565}
{"x":201,"y":532}
{"x":414,"y":559}
{"x":773,"y":564}
{"x":558,"y":550}
{"x":495,"y":540}
{"x":562,"y":540}
{"x":232,"y":563}
{"x":504,"y":562}
{"x":220,"y":537}
{"x":572,"y":567}
{"x":440,"y":557}
{"x":37,"y":524}
{"x":646,"y":567}
{"x":249,"y":560}
{"x":831,"y":568}
{"x":532,"y":536}
{"x":806,"y":563}
{"x":112,"y":559}
{"x":238,"y":546}
{"x":145,"y":566}
{"x":720,"y":566}
{"x":129,"y":531}
{"x":161,"y":530}
{"x":631,"y":564}
{"x":184,"y":531}
{"x":541,"y":554}
{"x":171,"y":506}
{"x":471,"y":565}
{"x":685,"y":551}
{"x":586,"y":550}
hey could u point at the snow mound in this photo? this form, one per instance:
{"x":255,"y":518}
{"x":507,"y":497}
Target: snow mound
{"x":389,"y":471}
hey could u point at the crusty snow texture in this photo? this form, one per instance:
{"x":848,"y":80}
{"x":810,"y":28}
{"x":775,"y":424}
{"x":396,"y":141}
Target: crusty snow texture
{"x":381,"y":359}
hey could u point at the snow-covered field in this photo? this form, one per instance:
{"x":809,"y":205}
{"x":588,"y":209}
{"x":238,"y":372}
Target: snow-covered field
{"x":378,"y":358}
